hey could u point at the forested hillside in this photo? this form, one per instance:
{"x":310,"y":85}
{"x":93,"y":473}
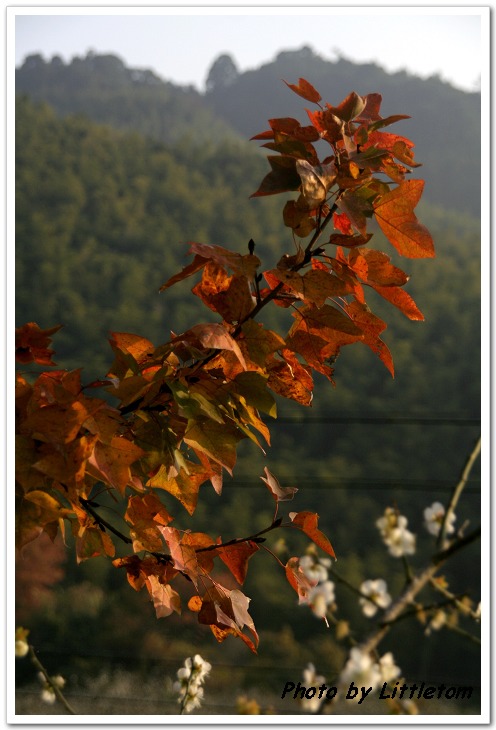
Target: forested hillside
{"x":445,"y":123}
{"x":103,"y":214}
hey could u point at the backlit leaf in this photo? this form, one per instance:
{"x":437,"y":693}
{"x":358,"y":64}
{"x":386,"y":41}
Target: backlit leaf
{"x":212,"y":336}
{"x":298,"y":580}
{"x":91,"y":542}
{"x":111,"y":462}
{"x":236,"y":558}
{"x":228,"y":296}
{"x":316,"y":181}
{"x":165,"y":599}
{"x":290,"y":379}
{"x":196,"y":265}
{"x":349,"y":108}
{"x":304,"y":89}
{"x":280,"y":494}
{"x":183,"y":555}
{"x":308,"y":523}
{"x":402,"y":300}
{"x":216,"y":440}
{"x":182,"y":483}
{"x":394,"y":213}
{"x":371,"y":327}
{"x":241,"y":264}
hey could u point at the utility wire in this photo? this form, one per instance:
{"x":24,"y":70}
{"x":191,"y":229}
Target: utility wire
{"x":382,"y":420}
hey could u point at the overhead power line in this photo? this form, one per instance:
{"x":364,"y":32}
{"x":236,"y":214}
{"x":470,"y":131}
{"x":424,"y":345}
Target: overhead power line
{"x":396,"y":420}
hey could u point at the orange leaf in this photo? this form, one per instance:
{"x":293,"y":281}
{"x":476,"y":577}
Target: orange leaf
{"x":402,"y":300}
{"x":182,"y":483}
{"x":32,"y":344}
{"x":371,"y":327}
{"x":304,"y":89}
{"x":196,"y":265}
{"x":138,"y":570}
{"x":144,"y":513}
{"x":236,"y":558}
{"x":135,"y":345}
{"x":290,"y":379}
{"x":320,"y":333}
{"x":394,"y":213}
{"x":227,"y":610}
{"x":378,"y":269}
{"x":241,"y":264}
{"x":307,"y":522}
{"x":183,"y":555}
{"x":68,"y":465}
{"x":297,"y":579}
{"x":342,"y":223}
{"x":315,"y":286}
{"x":111,"y":462}
{"x":229,"y":296}
{"x":91,"y":542}
{"x":60,"y":423}
{"x":211,"y":336}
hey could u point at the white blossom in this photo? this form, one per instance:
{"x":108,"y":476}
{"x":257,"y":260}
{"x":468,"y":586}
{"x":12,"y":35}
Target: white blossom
{"x":48,"y":692}
{"x":477,"y":613}
{"x":378,"y":596}
{"x":388,"y":668}
{"x":201,"y":667}
{"x":436,"y":622}
{"x":393,"y":528}
{"x":21,"y":642}
{"x":190,"y":678}
{"x":21,"y":648}
{"x":48,"y":695}
{"x":361,"y":669}
{"x":433,"y":519}
{"x":320,"y":597}
{"x":365,"y":672}
{"x":315,"y":569}
{"x":311,"y":679}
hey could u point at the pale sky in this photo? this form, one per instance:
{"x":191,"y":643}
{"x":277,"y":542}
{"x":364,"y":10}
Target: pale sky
{"x":181,"y":43}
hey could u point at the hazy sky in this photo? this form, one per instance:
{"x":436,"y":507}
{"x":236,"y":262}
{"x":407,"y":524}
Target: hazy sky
{"x":179,"y":44}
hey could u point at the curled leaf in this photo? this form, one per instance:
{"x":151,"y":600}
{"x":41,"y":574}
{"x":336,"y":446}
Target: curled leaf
{"x":280,"y":494}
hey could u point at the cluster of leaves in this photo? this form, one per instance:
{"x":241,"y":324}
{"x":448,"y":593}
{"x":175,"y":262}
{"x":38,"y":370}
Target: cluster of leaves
{"x":183,"y":407}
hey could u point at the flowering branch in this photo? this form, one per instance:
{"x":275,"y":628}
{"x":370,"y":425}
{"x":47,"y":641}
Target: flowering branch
{"x":52,"y":682}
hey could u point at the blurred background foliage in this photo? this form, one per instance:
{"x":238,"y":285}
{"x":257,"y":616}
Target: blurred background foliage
{"x":116,"y":170}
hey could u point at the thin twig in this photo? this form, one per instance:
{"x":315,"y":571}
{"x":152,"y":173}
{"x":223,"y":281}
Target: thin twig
{"x":100,"y":521}
{"x":58,"y":694}
{"x":457,"y":599}
{"x":237,"y":540}
{"x":458,"y":489}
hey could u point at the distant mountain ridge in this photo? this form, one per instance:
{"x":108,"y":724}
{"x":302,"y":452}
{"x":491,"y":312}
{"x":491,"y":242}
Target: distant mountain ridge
{"x":445,"y":123}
